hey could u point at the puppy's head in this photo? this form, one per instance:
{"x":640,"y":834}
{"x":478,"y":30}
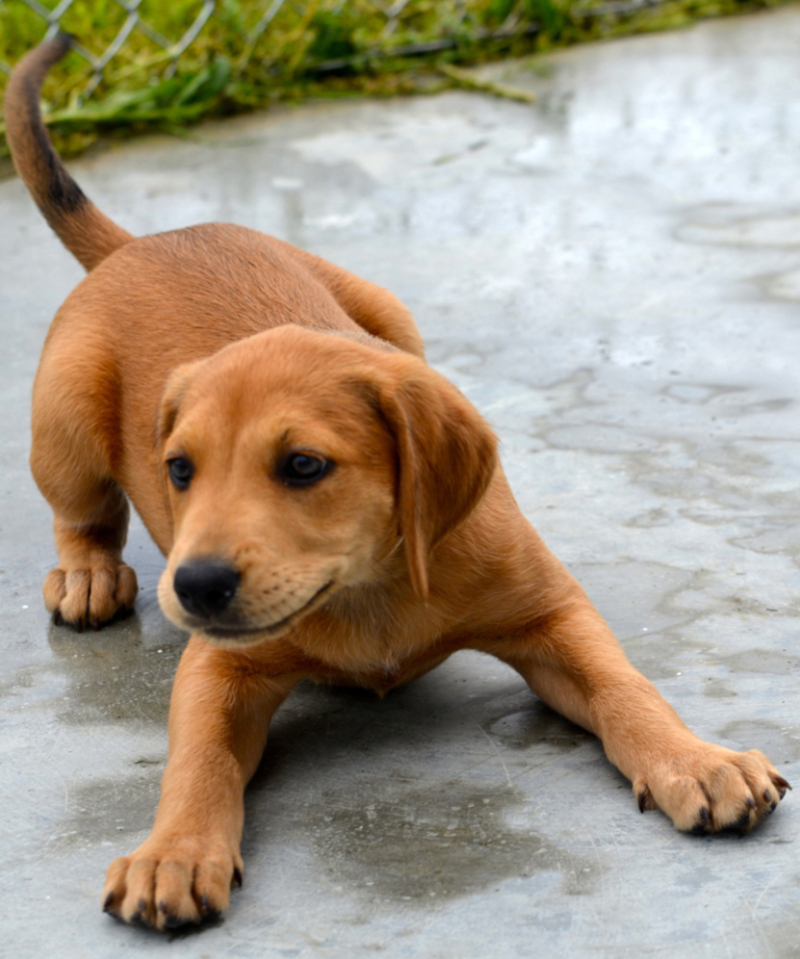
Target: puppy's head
{"x":295,"y":463}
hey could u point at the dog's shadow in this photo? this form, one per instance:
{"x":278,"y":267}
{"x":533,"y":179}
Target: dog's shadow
{"x":411,"y":798}
{"x":337,"y":729}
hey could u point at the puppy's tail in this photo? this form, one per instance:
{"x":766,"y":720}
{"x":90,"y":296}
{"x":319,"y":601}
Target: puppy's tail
{"x":86,"y":232}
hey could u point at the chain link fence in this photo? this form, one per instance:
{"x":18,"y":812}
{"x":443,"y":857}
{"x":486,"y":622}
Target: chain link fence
{"x":144,"y":61}
{"x":133,"y":20}
{"x":456,"y":16}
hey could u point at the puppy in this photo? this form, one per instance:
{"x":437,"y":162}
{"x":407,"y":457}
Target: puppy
{"x":329,"y":506}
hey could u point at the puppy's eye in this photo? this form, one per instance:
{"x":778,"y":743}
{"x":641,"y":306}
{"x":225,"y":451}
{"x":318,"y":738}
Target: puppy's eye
{"x":181,"y":472}
{"x":302,"y":469}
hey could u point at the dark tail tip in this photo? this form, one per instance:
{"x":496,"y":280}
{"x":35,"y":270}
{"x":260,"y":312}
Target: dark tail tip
{"x":86,"y":232}
{"x":33,"y":153}
{"x":64,"y":40}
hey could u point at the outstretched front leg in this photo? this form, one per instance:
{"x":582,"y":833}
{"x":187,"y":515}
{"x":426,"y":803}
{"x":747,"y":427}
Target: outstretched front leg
{"x":220,"y":710}
{"x":572,"y":661}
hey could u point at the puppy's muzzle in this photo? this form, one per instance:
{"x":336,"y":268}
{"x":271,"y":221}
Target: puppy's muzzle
{"x":205,"y":588}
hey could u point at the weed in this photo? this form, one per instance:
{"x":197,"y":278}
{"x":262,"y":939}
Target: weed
{"x":251,"y":53}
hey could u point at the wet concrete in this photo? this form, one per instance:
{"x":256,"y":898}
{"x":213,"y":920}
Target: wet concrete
{"x":612,"y":275}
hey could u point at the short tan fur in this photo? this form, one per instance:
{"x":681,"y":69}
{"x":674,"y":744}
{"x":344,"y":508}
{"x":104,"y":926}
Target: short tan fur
{"x":330,"y":508}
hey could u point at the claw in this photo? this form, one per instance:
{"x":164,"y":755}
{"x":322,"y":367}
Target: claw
{"x":207,"y":911}
{"x":742,"y":824}
{"x":237,"y":876}
{"x":781,"y":785}
{"x":108,"y":901}
{"x":703,"y":827}
{"x":645,"y":798}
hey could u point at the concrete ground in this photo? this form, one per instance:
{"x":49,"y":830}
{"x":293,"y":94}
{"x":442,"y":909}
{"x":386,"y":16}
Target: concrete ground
{"x":612,"y":275}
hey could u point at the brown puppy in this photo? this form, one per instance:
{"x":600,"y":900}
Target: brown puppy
{"x":329,"y":506}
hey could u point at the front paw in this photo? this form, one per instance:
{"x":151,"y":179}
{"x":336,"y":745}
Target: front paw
{"x":92,"y":595}
{"x":709,"y":788}
{"x":179,"y":881}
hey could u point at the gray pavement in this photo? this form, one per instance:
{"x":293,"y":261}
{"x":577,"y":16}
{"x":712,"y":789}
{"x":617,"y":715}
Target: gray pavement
{"x":612,"y":275}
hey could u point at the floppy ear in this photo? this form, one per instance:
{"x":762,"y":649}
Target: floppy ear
{"x":446,"y":453}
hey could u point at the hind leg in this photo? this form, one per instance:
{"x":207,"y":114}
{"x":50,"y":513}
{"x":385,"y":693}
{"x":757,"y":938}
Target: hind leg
{"x":91,"y":584}
{"x":375,"y":309}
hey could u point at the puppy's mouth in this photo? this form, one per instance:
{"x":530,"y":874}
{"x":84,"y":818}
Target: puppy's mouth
{"x":247,"y":633}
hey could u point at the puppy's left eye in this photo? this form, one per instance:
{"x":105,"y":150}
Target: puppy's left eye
{"x":181,"y":471}
{"x":303,"y":469}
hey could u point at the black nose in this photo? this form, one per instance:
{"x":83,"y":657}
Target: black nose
{"x":205,"y":588}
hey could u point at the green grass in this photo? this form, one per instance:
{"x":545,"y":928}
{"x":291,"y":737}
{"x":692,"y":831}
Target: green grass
{"x":311,"y":48}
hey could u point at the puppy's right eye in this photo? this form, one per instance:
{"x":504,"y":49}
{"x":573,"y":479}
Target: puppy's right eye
{"x":181,"y":472}
{"x":303,"y":469}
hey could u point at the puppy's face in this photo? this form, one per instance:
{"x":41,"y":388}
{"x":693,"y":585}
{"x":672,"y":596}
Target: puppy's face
{"x":280,"y":484}
{"x":284,"y":459}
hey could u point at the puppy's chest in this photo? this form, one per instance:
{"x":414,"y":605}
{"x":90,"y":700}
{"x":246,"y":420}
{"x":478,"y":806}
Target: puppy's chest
{"x":376,"y":654}
{"x":364,"y":659}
